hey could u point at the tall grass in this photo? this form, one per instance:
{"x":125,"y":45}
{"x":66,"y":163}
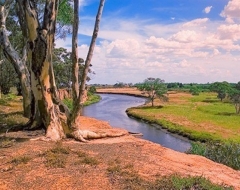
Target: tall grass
{"x":224,"y":153}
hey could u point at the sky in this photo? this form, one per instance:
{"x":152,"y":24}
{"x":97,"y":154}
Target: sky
{"x":175,"y":40}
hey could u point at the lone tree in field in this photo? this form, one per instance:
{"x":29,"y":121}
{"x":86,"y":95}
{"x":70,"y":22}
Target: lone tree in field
{"x":221,"y":88}
{"x":234,"y":96}
{"x":154,"y":88}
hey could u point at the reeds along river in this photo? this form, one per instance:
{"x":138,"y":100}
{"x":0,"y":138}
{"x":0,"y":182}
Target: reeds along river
{"x":112,"y":108}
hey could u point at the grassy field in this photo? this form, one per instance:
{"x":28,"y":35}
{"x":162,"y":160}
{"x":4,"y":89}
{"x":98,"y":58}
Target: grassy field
{"x":11,"y":111}
{"x":202,"y":117}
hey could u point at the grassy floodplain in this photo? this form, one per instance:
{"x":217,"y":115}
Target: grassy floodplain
{"x":201,"y":118}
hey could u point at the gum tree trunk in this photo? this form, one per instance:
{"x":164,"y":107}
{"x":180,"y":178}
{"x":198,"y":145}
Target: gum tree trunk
{"x":79,"y":101}
{"x":40,"y":42}
{"x":14,"y":58}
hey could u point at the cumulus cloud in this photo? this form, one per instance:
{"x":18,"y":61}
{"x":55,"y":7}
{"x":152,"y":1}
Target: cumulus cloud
{"x":185,"y":36}
{"x":231,"y":10}
{"x":229,"y":32}
{"x":207,"y":9}
{"x":132,"y":49}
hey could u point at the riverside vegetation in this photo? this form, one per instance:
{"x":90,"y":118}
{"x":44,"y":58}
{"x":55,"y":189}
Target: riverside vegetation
{"x":59,"y":155}
{"x":203,"y":118}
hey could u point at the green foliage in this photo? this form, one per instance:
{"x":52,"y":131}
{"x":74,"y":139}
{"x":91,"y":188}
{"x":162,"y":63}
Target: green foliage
{"x":197,"y":148}
{"x":154,"y":88}
{"x":221,"y":88}
{"x":194,"y":90}
{"x":62,"y":65}
{"x":92,"y":89}
{"x":227,"y":153}
{"x":65,"y":13}
{"x":234,"y":96}
{"x":8,"y":76}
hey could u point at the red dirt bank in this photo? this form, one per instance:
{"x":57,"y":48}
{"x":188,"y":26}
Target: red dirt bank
{"x":148,"y":159}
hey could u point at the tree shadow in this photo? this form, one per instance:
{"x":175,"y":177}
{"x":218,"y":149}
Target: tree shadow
{"x":226,"y":113}
{"x":211,"y":101}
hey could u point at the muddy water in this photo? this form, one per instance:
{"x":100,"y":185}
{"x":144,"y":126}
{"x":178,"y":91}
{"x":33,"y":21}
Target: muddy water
{"x":112,"y":108}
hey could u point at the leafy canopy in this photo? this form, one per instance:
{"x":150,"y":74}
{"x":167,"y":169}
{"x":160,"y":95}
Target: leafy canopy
{"x":154,"y":88}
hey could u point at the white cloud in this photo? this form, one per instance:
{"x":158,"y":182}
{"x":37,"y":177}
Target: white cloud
{"x":196,"y":22}
{"x":231,"y":10}
{"x":199,"y":50}
{"x":229,"y":32}
{"x":185,"y":36}
{"x":207,"y":9}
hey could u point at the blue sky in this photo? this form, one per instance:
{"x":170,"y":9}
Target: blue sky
{"x":175,"y":40}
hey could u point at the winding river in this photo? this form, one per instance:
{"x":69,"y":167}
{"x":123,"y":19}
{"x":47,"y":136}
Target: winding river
{"x":112,"y":108}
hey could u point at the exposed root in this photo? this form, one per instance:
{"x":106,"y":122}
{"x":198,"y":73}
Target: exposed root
{"x":42,"y":138}
{"x":82,"y":135}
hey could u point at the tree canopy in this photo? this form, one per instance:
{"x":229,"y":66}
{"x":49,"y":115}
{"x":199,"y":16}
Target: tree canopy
{"x":154,"y":88}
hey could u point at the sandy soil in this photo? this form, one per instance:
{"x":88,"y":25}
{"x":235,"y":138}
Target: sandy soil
{"x":148,"y":160}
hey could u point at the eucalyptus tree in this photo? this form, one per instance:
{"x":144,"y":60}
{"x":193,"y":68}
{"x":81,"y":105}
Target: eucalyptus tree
{"x":18,"y":60}
{"x":39,"y":32}
{"x":13,"y":41}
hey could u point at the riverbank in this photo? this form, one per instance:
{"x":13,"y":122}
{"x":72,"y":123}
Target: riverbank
{"x":124,"y":162}
{"x":109,"y":163}
{"x":199,"y":118}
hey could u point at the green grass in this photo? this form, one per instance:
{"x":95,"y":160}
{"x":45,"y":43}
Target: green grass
{"x":92,"y":98}
{"x":128,"y":178}
{"x":177,"y":182}
{"x":224,"y":153}
{"x":204,"y":109}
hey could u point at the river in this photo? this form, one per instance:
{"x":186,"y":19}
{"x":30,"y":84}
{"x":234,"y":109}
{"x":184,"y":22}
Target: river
{"x":112,"y":108}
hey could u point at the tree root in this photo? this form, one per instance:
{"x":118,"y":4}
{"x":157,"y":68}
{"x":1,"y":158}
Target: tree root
{"x":82,"y":135}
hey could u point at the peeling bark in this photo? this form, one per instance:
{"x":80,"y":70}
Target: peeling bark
{"x":19,"y":63}
{"x":41,"y":40}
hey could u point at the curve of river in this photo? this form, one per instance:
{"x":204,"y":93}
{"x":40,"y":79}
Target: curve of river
{"x":112,"y":108}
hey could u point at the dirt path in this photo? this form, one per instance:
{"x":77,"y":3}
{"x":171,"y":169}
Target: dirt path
{"x":106,"y":158}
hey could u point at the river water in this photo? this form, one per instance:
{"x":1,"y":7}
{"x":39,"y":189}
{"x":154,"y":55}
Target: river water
{"x":112,"y":108}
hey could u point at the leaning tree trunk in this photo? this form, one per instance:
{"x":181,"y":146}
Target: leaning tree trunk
{"x":79,"y":103}
{"x":75,"y":66}
{"x":14,"y":58}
